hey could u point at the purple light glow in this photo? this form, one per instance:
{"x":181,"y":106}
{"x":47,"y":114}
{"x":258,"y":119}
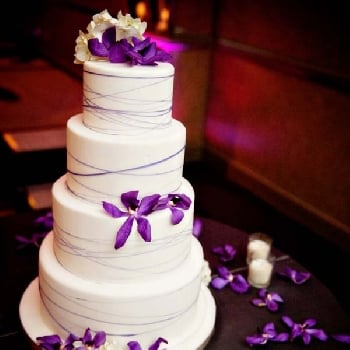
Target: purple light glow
{"x":167,"y":45}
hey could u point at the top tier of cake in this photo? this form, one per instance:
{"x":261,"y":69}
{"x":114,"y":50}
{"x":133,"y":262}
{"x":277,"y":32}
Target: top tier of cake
{"x":126,"y":100}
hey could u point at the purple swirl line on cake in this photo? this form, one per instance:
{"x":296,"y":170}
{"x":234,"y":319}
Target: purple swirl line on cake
{"x":96,"y":257}
{"x":127,"y":170}
{"x":165,"y":318}
{"x":138,"y":108}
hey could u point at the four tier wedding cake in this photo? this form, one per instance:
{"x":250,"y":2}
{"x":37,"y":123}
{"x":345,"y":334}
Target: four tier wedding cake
{"x":121,"y":268}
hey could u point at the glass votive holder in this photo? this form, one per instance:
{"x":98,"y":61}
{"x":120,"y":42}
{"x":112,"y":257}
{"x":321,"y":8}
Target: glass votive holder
{"x":259,"y":246}
{"x":260,"y":272}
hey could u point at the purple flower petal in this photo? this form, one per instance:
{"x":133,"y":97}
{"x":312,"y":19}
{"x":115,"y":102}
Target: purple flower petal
{"x":124,"y":232}
{"x":267,"y":334}
{"x":134,"y":345}
{"x":129,"y":199}
{"x":109,"y":37}
{"x":97,"y":48}
{"x":197,"y":227}
{"x":144,"y":228}
{"x":117,"y":54}
{"x":295,"y":276}
{"x":226,"y":252}
{"x":343,"y":338}
{"x":157,"y":343}
{"x":219,"y":282}
{"x":113,"y":210}
{"x":147,"y":204}
{"x":239,"y":284}
{"x":176,"y":215}
{"x":49,"y":342}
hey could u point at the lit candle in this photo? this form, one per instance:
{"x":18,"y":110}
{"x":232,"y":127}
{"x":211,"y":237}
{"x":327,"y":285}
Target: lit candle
{"x":259,"y":273}
{"x":259,"y":246}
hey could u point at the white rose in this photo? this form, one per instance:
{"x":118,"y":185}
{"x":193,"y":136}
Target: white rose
{"x":128,"y":27}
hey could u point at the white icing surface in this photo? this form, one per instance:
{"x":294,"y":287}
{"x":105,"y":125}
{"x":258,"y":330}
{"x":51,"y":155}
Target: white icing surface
{"x":123,"y":308}
{"x":124,"y":99}
{"x":85,"y":236}
{"x":101,"y":167}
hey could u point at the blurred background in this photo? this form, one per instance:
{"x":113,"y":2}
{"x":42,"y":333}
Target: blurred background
{"x":261,"y":86}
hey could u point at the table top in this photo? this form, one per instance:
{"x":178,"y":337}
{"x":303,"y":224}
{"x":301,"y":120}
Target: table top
{"x":236,"y":317}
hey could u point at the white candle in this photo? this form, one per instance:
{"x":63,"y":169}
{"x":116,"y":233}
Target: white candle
{"x":259,"y":273}
{"x":259,"y":246}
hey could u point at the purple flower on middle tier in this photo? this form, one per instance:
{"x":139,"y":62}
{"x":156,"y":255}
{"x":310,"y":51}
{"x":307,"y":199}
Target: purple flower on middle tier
{"x":177,"y":203}
{"x":136,"y":210}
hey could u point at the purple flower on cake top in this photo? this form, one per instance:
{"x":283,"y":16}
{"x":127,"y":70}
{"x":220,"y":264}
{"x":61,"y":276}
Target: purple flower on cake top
{"x":136,"y":210}
{"x":117,"y":40}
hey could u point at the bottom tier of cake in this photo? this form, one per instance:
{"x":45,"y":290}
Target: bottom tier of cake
{"x":193,"y":335}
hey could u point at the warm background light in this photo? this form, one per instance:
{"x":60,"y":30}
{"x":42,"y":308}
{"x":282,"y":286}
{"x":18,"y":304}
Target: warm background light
{"x":141,"y":10}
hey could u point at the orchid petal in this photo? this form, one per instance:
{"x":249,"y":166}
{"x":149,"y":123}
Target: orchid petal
{"x":288,"y":321}
{"x":343,"y":338}
{"x":176,"y":215}
{"x":281,"y":337}
{"x":147,"y":204}
{"x":219,"y":282}
{"x":144,"y":228}
{"x":112,"y":210}
{"x":117,"y":54}
{"x":224,"y":272}
{"x":109,"y":37}
{"x":320,"y":334}
{"x":239,"y":284}
{"x":197,"y":227}
{"x":157,"y":343}
{"x":180,"y":200}
{"x":256,"y":340}
{"x":134,"y":345}
{"x":97,"y":48}
{"x":87,"y":336}
{"x":129,"y":199}
{"x":258,"y":302}
{"x":124,"y":232}
{"x":99,"y":339}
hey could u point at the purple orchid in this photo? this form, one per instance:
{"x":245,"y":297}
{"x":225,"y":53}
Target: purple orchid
{"x":50,"y":342}
{"x":45,"y":222}
{"x":267,"y":334}
{"x":197,"y":227}
{"x":35,"y":239}
{"x":44,"y":225}
{"x":236,"y":282}
{"x":269,"y":299}
{"x":136,"y":210}
{"x":304,"y":330}
{"x":225,"y":252}
{"x":297,"y":277}
{"x":137,"y":51}
{"x":134,"y":345}
{"x":177,"y":203}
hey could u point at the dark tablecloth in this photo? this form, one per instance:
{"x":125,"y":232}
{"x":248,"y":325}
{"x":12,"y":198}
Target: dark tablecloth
{"x":236,"y":316}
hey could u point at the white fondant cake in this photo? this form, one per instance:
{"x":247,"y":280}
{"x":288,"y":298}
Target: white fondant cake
{"x":122,"y":258}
